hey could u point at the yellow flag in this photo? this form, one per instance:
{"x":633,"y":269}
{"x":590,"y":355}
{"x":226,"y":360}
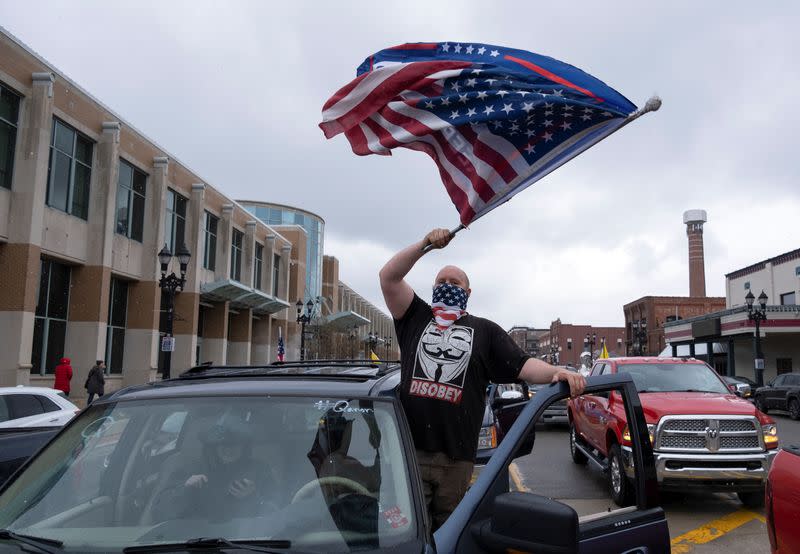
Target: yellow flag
{"x":373,"y":356}
{"x":604,"y":351}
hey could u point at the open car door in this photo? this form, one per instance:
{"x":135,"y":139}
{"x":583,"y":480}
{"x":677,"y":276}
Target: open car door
{"x":492,"y":519}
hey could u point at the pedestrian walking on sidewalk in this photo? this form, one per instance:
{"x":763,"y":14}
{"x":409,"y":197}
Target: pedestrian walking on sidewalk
{"x":63,"y":373}
{"x":96,"y":381}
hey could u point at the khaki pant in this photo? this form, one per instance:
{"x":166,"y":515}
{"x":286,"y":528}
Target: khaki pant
{"x":445,"y":483}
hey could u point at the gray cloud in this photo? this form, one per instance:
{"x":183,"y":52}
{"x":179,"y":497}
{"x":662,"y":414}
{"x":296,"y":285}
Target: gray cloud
{"x":235,"y":90}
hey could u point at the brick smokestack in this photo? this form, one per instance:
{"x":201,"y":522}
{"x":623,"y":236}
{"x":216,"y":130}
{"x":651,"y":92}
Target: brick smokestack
{"x":694,"y":220}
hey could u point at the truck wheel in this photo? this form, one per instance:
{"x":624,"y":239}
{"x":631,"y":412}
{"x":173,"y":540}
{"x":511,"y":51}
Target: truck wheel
{"x":577,"y":456}
{"x":760,"y":406}
{"x":752,"y":499}
{"x":618,"y":484}
{"x":794,"y":409}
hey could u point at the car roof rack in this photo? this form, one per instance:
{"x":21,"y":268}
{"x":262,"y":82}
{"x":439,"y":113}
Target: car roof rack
{"x":311,"y":367}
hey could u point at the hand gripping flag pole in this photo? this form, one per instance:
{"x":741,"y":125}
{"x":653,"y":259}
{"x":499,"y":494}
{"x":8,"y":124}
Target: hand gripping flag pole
{"x":494,"y":120}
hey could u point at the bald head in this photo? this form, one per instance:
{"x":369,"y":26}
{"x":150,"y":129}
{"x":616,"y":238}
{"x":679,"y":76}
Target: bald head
{"x":454,"y":276}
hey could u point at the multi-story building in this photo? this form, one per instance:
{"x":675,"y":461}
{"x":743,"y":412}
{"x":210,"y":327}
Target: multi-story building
{"x":564,"y":342}
{"x":86,"y":204}
{"x":527,"y":338}
{"x":728,"y":333}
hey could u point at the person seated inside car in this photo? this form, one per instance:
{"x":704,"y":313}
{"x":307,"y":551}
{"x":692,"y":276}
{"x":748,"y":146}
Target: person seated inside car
{"x":350,"y":488}
{"x":225,"y":481}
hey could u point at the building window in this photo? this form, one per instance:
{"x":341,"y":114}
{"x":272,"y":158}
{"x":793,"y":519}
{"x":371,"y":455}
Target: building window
{"x":747,"y":285}
{"x":258,"y":266}
{"x":50,"y":321}
{"x":210,"y":247}
{"x":783,"y":365}
{"x":236,"y":255}
{"x":117,"y":314}
{"x":175,"y":222}
{"x":9,"y":116}
{"x":276,"y":274}
{"x":131,"y":187}
{"x":788,"y":299}
{"x":70,"y":170}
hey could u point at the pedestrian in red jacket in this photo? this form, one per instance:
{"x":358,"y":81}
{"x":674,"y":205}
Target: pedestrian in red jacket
{"x":63,"y":376}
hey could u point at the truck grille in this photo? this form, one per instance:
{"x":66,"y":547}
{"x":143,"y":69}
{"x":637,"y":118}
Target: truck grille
{"x":708,"y":434}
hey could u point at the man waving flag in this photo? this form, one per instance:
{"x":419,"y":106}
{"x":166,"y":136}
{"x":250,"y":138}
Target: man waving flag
{"x":494,"y":119}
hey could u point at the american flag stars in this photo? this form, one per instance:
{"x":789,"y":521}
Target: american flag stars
{"x":472,"y":107}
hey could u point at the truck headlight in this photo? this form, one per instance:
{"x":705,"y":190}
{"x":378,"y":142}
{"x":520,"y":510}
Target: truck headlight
{"x":626,"y":433}
{"x":770,"y":435}
{"x":487,"y":437}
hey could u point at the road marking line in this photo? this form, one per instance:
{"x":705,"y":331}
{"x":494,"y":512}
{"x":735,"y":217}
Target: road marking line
{"x":513,"y":471}
{"x":712,"y":530}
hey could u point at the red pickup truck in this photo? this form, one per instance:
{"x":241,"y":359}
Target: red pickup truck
{"x":783,"y":501}
{"x":704,"y":436}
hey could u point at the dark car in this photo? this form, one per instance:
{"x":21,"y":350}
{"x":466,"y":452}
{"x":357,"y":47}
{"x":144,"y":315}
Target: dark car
{"x":741,"y":385}
{"x":293,"y":458}
{"x":782,"y":393}
{"x":504,"y":402}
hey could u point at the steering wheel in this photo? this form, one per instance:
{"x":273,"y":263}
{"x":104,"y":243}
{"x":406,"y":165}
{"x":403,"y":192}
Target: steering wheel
{"x":306,"y":489}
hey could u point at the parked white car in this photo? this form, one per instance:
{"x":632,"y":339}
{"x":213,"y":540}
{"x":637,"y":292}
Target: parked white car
{"x":34,"y":407}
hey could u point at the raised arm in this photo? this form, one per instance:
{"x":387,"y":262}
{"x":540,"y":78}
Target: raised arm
{"x":396,"y":292}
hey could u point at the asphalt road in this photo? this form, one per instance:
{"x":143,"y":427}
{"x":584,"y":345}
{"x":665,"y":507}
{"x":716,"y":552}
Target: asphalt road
{"x":699,"y":523}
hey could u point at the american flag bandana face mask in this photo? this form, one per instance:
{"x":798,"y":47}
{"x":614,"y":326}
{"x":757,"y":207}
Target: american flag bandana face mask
{"x":449,"y":303}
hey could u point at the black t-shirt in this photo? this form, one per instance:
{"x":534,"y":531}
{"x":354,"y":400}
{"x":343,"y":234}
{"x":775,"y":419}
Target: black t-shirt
{"x":445,"y":374}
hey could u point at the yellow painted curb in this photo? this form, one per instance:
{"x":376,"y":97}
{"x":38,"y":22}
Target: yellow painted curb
{"x":712,"y":530}
{"x":513,"y":471}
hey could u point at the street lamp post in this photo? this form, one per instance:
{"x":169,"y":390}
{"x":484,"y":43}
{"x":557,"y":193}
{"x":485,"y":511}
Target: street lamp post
{"x":171,"y":284}
{"x":757,"y":315}
{"x":303,"y":319}
{"x":388,"y":346}
{"x":588,"y":344}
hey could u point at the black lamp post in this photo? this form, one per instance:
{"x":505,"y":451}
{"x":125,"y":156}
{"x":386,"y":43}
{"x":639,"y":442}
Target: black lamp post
{"x":588,"y":344}
{"x":388,"y":346}
{"x":170,"y":284}
{"x":640,"y":338}
{"x":303,"y":319}
{"x":757,"y":315}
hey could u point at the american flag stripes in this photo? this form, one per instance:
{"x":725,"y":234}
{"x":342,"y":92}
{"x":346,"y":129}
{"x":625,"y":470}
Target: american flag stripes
{"x":495,"y":120}
{"x":449,"y":304}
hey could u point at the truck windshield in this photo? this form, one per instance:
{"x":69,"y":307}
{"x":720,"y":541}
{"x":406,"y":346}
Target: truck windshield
{"x":318,"y":474}
{"x":669,"y":377}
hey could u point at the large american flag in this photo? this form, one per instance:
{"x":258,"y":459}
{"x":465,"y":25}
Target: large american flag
{"x":495,"y":120}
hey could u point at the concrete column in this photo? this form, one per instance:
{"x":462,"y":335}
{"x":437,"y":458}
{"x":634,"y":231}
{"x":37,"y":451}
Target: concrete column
{"x":215,"y":334}
{"x":194,"y":239}
{"x":103,"y":199}
{"x":240,"y":335}
{"x":26,"y":214}
{"x":286,"y":269}
{"x":187,"y":309}
{"x":261,"y":347}
{"x":249,"y":254}
{"x":269,"y":263}
{"x":153,"y":237}
{"x":224,"y":236}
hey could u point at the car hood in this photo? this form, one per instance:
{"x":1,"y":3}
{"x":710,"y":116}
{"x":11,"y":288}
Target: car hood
{"x":658,"y":404}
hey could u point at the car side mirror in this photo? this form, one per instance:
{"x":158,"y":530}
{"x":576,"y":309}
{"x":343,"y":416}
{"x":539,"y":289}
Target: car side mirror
{"x":734,"y":389}
{"x":550,"y":526}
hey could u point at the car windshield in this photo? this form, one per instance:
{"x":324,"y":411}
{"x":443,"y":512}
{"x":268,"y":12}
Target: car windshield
{"x":325,"y":474}
{"x":667,"y":377}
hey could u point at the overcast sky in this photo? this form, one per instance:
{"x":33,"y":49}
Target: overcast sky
{"x":234,"y":90}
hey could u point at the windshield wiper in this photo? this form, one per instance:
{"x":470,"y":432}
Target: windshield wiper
{"x":213,"y":544}
{"x":698,"y":390}
{"x":50,"y":546}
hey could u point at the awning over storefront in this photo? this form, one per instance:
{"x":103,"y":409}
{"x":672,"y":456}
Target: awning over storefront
{"x":341,"y":321}
{"x":242,"y":297}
